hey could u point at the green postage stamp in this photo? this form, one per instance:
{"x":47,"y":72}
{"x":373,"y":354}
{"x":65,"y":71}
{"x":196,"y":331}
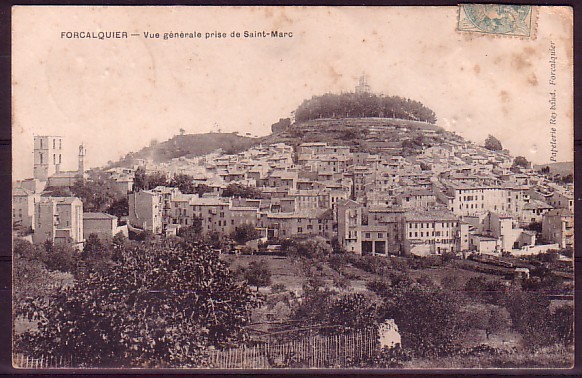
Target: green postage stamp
{"x":498,"y":19}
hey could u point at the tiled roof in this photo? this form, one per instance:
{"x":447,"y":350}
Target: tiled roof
{"x":98,"y":216}
{"x":429,"y":215}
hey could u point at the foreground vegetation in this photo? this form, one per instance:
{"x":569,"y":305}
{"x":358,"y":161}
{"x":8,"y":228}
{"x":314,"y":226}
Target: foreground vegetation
{"x":167,"y":302}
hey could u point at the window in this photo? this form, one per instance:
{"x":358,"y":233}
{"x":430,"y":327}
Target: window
{"x":299,"y":229}
{"x":380,"y":235}
{"x":368,"y":236}
{"x":416,"y":234}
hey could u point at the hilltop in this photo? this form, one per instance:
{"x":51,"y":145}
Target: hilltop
{"x":189,"y":145}
{"x":358,"y":120}
{"x":368,"y":134}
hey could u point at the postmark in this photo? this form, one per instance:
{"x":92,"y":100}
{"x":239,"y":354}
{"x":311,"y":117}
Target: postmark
{"x":498,"y":20}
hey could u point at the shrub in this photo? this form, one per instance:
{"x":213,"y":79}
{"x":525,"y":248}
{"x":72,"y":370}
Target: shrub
{"x":134,"y":316}
{"x":278,"y":288}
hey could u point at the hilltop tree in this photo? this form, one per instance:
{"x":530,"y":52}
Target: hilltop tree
{"x":521,"y":161}
{"x":352,"y":105}
{"x":493,"y":144}
{"x":163,"y":305}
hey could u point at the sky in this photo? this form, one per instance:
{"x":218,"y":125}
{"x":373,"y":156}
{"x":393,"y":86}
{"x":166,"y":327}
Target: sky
{"x":117,"y":95}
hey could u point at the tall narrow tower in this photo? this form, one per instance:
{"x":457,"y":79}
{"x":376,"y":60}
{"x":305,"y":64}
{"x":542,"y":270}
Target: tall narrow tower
{"x":47,"y":156}
{"x":82,"y":153}
{"x":363,"y":86}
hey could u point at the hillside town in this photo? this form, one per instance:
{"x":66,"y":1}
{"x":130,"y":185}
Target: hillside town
{"x":365,"y":189}
{"x":324,"y":244}
{"x":455,"y":197}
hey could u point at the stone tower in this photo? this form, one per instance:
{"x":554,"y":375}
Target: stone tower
{"x":47,"y":156}
{"x":82,"y":153}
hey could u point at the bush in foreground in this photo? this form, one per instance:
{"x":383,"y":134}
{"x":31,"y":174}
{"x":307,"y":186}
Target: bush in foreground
{"x":163,"y":305}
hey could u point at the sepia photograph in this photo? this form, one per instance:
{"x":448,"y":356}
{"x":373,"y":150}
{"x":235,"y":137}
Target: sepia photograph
{"x":260,"y":187}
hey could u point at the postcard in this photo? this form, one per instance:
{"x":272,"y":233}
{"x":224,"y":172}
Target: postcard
{"x":293,"y":187}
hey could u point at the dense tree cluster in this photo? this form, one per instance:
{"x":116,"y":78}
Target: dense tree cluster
{"x":521,"y":162}
{"x":493,"y":144}
{"x":244,"y":233}
{"x":144,"y":181}
{"x":333,"y":312}
{"x":352,"y":105}
{"x":313,"y":248}
{"x":241,"y":191}
{"x":98,"y":193}
{"x":183,"y":182}
{"x":161,"y":305}
{"x":428,"y":317}
{"x":539,"y":326}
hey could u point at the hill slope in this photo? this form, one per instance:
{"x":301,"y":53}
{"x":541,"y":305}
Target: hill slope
{"x":189,"y":145}
{"x":374,"y":135}
{"x":561,"y":168}
{"x":362,"y":134}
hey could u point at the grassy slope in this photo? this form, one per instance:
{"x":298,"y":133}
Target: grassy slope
{"x":562,"y":168}
{"x":191,"y":145}
{"x":328,"y":130}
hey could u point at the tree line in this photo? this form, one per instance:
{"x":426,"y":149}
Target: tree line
{"x":352,"y":105}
